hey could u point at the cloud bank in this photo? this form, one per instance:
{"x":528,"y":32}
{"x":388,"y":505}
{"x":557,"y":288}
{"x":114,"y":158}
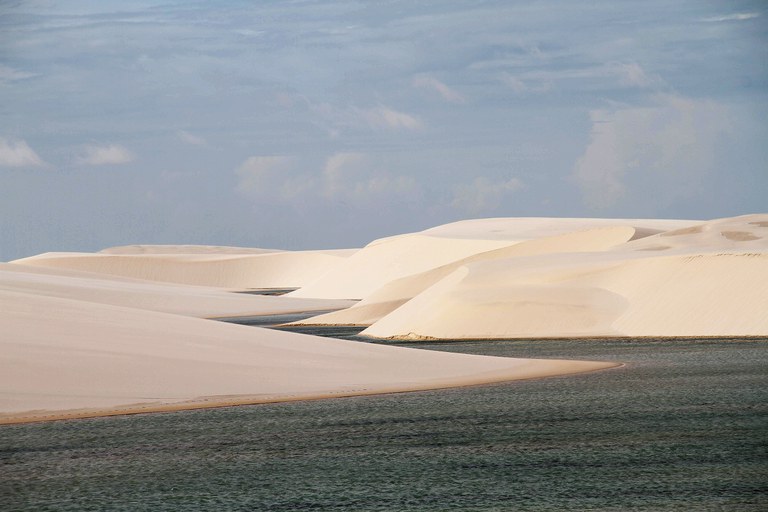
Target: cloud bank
{"x":669,"y":144}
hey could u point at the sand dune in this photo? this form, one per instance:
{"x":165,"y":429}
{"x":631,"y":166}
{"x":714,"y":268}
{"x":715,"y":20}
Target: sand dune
{"x":707,"y":279}
{"x":187,"y":300}
{"x":587,"y":238}
{"x":285,"y":269}
{"x":69,"y":358}
{"x":125,"y":330}
{"x":386,"y":260}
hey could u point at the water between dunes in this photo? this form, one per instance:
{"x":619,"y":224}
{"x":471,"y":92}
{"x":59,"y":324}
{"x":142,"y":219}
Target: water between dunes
{"x":683,"y":426}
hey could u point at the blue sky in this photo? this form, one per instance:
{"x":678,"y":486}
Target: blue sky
{"x":307,"y":124}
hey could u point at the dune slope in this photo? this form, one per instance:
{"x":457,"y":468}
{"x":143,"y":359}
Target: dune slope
{"x":65,"y":358}
{"x":707,"y":279}
{"x":228,"y":269}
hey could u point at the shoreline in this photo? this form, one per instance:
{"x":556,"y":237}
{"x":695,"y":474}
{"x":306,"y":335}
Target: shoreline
{"x":430,"y":339}
{"x":221,"y":401}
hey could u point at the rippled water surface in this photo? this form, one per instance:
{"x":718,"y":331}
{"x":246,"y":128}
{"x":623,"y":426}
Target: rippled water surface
{"x":683,"y":426}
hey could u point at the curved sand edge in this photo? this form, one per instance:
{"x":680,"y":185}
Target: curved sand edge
{"x":68,"y":358}
{"x":557,"y":368}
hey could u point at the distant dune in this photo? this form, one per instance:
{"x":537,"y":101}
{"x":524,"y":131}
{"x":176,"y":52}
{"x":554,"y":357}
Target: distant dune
{"x":602,"y":278}
{"x":230,"y":268}
{"x":128,"y":330}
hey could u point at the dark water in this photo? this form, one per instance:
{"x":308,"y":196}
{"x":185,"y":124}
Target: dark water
{"x":267,"y":291}
{"x":283,"y":318}
{"x":684,"y":426}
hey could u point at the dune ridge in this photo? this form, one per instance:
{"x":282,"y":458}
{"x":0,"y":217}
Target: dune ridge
{"x":621,"y":278}
{"x":395,"y":293}
{"x":128,"y":329}
{"x":83,"y":339}
{"x":228,"y":269}
{"x":692,"y":281}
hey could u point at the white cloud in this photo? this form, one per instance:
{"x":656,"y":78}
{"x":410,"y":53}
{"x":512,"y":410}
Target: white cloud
{"x":483,"y":195}
{"x":631,"y":74}
{"x":533,"y":83}
{"x":669,"y":145}
{"x":740,"y":16}
{"x":262,"y":175}
{"x":339,"y":170}
{"x":353,"y":176}
{"x":16,"y":153}
{"x":431,"y":83}
{"x":382,"y":117}
{"x":376,"y":118}
{"x":111,"y":154}
{"x":191,"y":139}
{"x":348,"y":177}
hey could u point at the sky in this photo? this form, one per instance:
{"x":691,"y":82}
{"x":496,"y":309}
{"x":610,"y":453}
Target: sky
{"x":318,"y":124}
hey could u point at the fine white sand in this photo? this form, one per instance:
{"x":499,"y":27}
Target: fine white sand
{"x":64,"y":358}
{"x":388,"y":259}
{"x":706,"y":279}
{"x":394,"y":294}
{"x":80,"y":339}
{"x":229,"y":269}
{"x":127,"y":330}
{"x":196,"y":301}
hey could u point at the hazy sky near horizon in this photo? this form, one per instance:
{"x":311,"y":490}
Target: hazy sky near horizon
{"x":308,"y":124}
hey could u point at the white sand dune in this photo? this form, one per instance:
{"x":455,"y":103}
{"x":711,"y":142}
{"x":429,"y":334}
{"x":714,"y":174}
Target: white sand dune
{"x":69,"y":358}
{"x":706,"y":279}
{"x":554,"y":239}
{"x":388,"y":259}
{"x":126,"y":330}
{"x":385,"y":260}
{"x":187,"y":300}
{"x":285,"y":269}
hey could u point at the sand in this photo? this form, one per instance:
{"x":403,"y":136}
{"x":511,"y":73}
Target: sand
{"x":129,"y":329}
{"x":67,"y":358}
{"x":229,"y":268}
{"x":195,"y":301}
{"x":699,"y":280}
{"x":82,"y":336}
